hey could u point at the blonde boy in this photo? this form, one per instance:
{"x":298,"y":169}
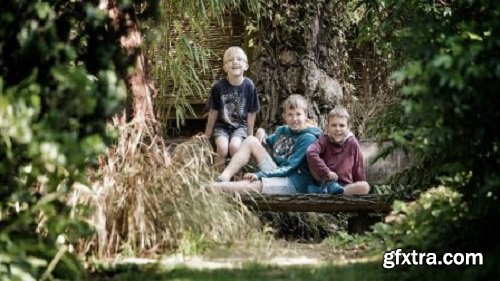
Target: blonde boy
{"x":233,"y":105}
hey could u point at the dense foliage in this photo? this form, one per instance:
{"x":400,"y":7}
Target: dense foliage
{"x":446,"y":53}
{"x":60,"y":66}
{"x":61,"y":70}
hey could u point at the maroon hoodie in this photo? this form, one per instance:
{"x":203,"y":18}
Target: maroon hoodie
{"x":344,"y":159}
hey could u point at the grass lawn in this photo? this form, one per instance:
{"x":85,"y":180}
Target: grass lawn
{"x":359,"y":271}
{"x":334,"y":259}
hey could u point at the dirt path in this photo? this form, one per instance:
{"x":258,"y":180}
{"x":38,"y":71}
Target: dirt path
{"x":281,"y":253}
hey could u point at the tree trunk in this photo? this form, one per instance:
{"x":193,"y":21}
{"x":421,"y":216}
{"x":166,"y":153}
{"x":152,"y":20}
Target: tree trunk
{"x":306,"y":57}
{"x":141,"y":91}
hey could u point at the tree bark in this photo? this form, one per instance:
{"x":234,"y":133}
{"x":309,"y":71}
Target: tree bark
{"x":323,"y":203}
{"x":141,"y":91}
{"x":305,"y":57}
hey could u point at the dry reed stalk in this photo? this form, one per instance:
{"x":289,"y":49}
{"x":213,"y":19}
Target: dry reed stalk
{"x":146,"y":201}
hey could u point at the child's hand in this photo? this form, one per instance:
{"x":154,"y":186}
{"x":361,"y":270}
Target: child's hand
{"x":332,"y":176}
{"x":250,"y":177}
{"x":260,"y":134}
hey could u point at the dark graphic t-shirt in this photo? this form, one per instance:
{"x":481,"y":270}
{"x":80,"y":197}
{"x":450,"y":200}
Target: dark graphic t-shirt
{"x":233,"y":102}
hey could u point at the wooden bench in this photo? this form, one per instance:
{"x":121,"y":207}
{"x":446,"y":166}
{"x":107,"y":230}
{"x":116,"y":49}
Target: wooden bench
{"x":369,"y":208}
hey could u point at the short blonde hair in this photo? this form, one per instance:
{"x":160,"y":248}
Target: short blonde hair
{"x":235,"y":49}
{"x":340,"y":112}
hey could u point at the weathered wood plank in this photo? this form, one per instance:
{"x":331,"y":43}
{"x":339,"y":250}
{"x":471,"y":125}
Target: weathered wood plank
{"x":323,"y":203}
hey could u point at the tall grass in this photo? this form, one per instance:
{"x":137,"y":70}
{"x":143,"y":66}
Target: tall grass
{"x":146,"y":198}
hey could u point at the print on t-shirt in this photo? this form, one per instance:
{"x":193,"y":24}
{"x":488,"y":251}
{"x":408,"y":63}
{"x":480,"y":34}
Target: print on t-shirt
{"x":233,"y":107}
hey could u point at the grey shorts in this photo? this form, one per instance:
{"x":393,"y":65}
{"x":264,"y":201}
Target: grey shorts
{"x":276,"y":185}
{"x":230,"y":133}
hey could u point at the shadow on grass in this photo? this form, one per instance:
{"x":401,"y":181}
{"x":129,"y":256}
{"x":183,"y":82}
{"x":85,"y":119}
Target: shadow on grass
{"x":347,"y":272}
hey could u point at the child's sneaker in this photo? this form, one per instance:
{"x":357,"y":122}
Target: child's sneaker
{"x":333,"y":187}
{"x":313,"y":188}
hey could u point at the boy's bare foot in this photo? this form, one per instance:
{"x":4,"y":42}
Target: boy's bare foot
{"x":221,"y":179}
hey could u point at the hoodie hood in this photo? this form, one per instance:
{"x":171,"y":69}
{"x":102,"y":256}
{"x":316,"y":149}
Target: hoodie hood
{"x":348,"y":136}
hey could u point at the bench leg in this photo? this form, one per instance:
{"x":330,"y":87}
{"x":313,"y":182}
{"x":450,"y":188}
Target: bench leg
{"x":361,"y":223}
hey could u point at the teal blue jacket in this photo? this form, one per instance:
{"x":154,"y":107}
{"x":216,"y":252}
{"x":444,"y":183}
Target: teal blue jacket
{"x":289,"y":153}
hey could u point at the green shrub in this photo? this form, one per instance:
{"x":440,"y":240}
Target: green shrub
{"x":446,"y":63}
{"x":412,"y":225}
{"x":58,"y":85}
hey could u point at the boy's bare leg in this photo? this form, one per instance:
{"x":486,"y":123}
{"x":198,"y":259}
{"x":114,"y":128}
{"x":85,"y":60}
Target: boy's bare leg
{"x":243,"y":186}
{"x":250,"y":147}
{"x":221,"y":144}
{"x":234,"y":145}
{"x":359,"y":187}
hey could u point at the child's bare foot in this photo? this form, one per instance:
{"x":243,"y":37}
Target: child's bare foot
{"x":221,"y":179}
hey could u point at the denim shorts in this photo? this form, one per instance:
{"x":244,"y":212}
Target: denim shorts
{"x":275,"y":185}
{"x":230,"y":133}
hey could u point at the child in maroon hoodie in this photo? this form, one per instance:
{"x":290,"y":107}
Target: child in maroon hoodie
{"x":335,"y":159}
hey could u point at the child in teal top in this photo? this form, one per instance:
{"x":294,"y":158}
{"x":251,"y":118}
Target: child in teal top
{"x":284,"y":170}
